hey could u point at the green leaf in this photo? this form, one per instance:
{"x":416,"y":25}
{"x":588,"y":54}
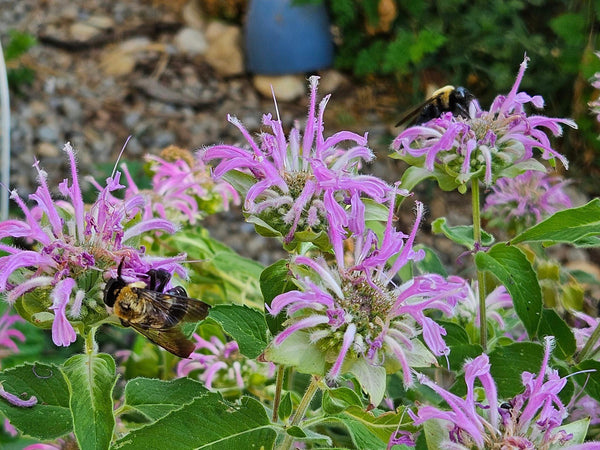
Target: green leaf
{"x":553,"y":325}
{"x":371,"y":379}
{"x":156,"y":398}
{"x":431,"y":263}
{"x":570,"y":226}
{"x":413,"y":175}
{"x":276,"y":280}
{"x":245,"y":325}
{"x":591,"y":380}
{"x":513,"y":269}
{"x":50,"y":418}
{"x":455,"y":334}
{"x":435,"y":432}
{"x":297,"y":351}
{"x":91,"y":379}
{"x":240,"y":181}
{"x":208,"y":422}
{"x":285,"y":407}
{"x":509,"y":362}
{"x":368,"y":431}
{"x":461,"y":234}
{"x":339,"y":399}
{"x":578,"y":429}
{"x":375,"y":211}
{"x":461,"y":352}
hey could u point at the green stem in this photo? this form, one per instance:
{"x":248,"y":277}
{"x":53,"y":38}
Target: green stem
{"x":311,"y":390}
{"x":475,"y":195}
{"x":587,"y":350}
{"x":278,"y":387}
{"x":91,"y":347}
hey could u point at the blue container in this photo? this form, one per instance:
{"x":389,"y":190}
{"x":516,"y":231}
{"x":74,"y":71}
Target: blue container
{"x":283,"y":38}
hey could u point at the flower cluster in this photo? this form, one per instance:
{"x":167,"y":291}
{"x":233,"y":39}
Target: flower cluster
{"x":354,"y":313}
{"x":520,"y":202}
{"x":299,"y":183}
{"x":496,"y":301}
{"x":487,"y":145}
{"x":221,"y":366}
{"x":71,"y":250}
{"x":182,"y":188}
{"x":529,"y":420}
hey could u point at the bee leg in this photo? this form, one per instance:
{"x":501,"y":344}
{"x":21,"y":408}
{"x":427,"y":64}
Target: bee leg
{"x":158,"y":279}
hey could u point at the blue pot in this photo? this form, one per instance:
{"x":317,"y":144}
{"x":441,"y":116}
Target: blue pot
{"x":282,"y":38}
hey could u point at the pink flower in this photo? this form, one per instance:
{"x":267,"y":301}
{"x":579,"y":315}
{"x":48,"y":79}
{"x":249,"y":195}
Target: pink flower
{"x":487,"y":145}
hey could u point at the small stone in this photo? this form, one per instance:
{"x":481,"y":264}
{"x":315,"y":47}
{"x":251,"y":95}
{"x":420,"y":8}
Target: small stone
{"x":72,"y":108}
{"x":331,"y":80}
{"x":190,"y":41}
{"x":83,"y":31}
{"x":287,"y":88}
{"x":101,"y":22}
{"x":117,"y":62}
{"x":192,"y":15}
{"x":47,"y":150}
{"x":47,"y":133}
{"x":224,"y":53}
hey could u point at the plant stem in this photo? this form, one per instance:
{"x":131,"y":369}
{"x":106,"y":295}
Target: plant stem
{"x":278,"y":387}
{"x":587,"y":350}
{"x":91,"y":347}
{"x":311,"y":390}
{"x":480,"y":276}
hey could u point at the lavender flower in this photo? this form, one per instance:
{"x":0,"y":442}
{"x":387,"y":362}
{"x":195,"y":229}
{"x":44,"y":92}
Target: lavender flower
{"x":299,"y":183}
{"x":521,"y":202}
{"x":8,"y":335}
{"x":529,"y":420}
{"x":496,"y":301}
{"x":182,"y":188}
{"x":221,"y":366}
{"x":354,"y":316}
{"x":74,"y":248}
{"x":487,"y":145}
{"x":583,"y":333}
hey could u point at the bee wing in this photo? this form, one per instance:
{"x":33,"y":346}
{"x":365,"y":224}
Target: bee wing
{"x":414,"y":111}
{"x":171,"y":339}
{"x":173,"y":309}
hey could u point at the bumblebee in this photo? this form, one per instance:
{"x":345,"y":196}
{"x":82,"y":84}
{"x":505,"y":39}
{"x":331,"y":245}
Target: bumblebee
{"x":153,"y":313}
{"x":446,"y":99}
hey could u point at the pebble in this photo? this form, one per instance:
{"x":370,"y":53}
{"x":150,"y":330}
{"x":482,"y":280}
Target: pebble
{"x":224,"y":53}
{"x":287,"y":88}
{"x":190,"y":41}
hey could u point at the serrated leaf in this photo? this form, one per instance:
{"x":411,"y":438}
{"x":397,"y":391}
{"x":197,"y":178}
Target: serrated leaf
{"x":50,"y":418}
{"x":553,"y":325}
{"x":513,"y":269}
{"x":208,"y":422}
{"x":156,"y":398}
{"x":570,"y":226}
{"x":91,"y":379}
{"x":509,"y":362}
{"x":247,"y":326}
{"x":460,"y":234}
{"x":276,"y":280}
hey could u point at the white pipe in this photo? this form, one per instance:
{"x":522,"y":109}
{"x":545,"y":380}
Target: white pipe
{"x":5,"y":134}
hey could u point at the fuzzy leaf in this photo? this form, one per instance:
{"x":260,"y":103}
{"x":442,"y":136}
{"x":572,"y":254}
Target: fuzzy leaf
{"x":50,"y":417}
{"x":298,"y":352}
{"x":553,"y":325}
{"x":207,"y":422}
{"x":91,"y":379}
{"x":247,"y":326}
{"x":461,"y":234}
{"x":509,"y":362}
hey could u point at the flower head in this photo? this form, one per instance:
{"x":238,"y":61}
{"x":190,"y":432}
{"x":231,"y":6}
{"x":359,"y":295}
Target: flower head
{"x":527,"y":421}
{"x":496,"y":301}
{"x":182,"y":188}
{"x":72,"y":250}
{"x":487,"y":145}
{"x":521,"y":202}
{"x":354,"y":312}
{"x":298,"y":183}
{"x":221,"y":366}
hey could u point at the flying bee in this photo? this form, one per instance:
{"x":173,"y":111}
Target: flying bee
{"x":446,"y":99}
{"x":155,"y":314}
